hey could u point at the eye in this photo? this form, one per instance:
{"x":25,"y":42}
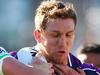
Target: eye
{"x":55,"y":35}
{"x":69,"y":34}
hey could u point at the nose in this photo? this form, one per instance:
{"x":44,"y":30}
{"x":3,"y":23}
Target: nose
{"x":62,"y":41}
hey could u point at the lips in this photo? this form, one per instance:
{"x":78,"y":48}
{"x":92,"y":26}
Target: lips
{"x":61,"y":51}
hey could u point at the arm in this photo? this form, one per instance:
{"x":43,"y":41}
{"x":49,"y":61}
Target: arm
{"x":13,"y":67}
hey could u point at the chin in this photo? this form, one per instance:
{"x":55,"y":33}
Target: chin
{"x":60,"y":61}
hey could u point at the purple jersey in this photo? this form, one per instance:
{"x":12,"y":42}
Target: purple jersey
{"x":88,"y":68}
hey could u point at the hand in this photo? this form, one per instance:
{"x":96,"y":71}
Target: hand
{"x":42,"y":68}
{"x":65,"y":70}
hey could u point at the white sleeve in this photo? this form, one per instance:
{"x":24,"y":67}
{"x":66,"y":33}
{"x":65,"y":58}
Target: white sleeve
{"x":3,"y":54}
{"x":25,"y":56}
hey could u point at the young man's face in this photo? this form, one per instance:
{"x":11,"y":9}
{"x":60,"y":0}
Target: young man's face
{"x":57,"y":39}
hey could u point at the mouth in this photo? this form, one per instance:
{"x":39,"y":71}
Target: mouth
{"x":61,"y":52}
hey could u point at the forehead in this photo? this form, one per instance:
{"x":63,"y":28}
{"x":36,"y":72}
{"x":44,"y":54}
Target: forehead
{"x":60,"y":24}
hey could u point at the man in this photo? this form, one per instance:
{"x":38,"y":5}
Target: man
{"x":89,"y":53}
{"x":11,"y":66}
{"x":54,"y":33}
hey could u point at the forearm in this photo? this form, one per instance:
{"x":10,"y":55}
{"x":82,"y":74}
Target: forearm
{"x":12,"y":66}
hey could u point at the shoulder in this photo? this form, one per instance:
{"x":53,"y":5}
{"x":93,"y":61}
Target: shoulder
{"x":3,"y":53}
{"x":88,"y":68}
{"x":26,"y":51}
{"x":25,"y":55}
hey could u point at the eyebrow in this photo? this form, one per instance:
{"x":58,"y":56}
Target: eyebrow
{"x":67,"y":32}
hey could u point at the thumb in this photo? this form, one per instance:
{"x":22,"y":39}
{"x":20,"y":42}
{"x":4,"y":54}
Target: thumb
{"x":39,"y":59}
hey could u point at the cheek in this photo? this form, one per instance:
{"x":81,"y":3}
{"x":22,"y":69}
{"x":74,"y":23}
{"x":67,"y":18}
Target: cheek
{"x":52,"y":41}
{"x":71,"y":40}
{"x":48,"y":41}
{"x":51,"y":45}
{"x":70,"y":43}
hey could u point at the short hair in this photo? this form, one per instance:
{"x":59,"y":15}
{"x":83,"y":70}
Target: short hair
{"x":53,"y":9}
{"x":90,"y":48}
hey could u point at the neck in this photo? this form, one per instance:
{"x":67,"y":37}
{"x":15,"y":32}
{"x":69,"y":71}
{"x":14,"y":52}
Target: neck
{"x":54,"y":61}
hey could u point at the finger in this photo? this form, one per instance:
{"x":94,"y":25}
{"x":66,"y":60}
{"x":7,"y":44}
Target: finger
{"x":51,"y":71}
{"x":50,"y":65}
{"x":37,"y":60}
{"x":41,"y":57}
{"x":62,"y":68}
{"x":58,"y":71}
{"x":81,"y":71}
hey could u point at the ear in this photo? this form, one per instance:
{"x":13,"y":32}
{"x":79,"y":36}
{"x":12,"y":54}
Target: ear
{"x":37,"y":36}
